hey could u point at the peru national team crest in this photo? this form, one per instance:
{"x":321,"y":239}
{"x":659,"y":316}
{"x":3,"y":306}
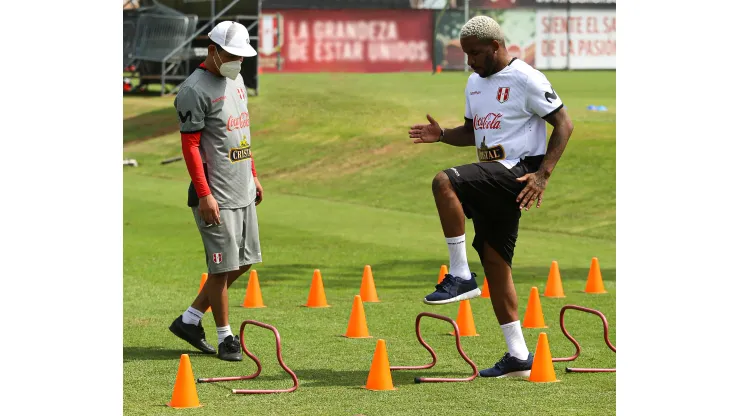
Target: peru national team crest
{"x":503,"y":94}
{"x":217,"y":258}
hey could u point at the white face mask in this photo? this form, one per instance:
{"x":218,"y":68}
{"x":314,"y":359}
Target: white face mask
{"x":229,"y":69}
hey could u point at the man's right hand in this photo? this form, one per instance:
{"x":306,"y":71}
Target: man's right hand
{"x":426,"y":133}
{"x":208,"y":208}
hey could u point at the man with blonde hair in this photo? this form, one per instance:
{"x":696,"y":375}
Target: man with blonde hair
{"x":507,"y":103}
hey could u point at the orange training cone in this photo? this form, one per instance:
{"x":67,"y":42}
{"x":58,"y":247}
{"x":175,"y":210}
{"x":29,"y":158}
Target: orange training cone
{"x":465,"y":320}
{"x":442,"y":272}
{"x":357,"y":327}
{"x":594,"y":284}
{"x":253,"y":297}
{"x":484,"y":292}
{"x":316,"y":296}
{"x":439,"y":68}
{"x":367,"y":288}
{"x":379,"y":377}
{"x":203,"y":278}
{"x":184,"y":394}
{"x":554,"y":288}
{"x":533,"y":317}
{"x":543,"y":370}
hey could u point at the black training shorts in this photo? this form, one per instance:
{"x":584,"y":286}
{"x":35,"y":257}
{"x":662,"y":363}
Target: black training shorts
{"x":488,"y":194}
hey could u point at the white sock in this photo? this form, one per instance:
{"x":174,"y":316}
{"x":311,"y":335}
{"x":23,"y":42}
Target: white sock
{"x":515,"y":340}
{"x":224,"y":332}
{"x":458,"y":257}
{"x":192,"y":316}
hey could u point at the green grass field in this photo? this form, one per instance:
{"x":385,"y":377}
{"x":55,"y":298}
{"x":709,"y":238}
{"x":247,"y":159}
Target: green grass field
{"x":345,"y":187}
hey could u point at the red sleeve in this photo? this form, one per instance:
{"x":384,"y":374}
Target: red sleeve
{"x":254,"y":171}
{"x":191,"y":154}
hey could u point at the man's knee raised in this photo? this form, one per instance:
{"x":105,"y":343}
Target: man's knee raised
{"x":440,"y":183}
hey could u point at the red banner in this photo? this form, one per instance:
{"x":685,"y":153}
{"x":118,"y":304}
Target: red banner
{"x":345,"y":40}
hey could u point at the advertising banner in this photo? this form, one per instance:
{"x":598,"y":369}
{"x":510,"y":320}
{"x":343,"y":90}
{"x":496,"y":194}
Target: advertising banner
{"x":518,"y":26}
{"x":564,"y":4}
{"x":345,"y":40}
{"x":578,"y":39}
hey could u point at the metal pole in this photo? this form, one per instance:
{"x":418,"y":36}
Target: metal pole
{"x":213,"y":12}
{"x":257,"y":75}
{"x":467,"y":14}
{"x":198,"y":32}
{"x":164,"y":75}
{"x":567,"y":35}
{"x":187,"y":42}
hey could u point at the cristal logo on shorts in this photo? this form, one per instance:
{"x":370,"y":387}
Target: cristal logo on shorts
{"x":217,"y":258}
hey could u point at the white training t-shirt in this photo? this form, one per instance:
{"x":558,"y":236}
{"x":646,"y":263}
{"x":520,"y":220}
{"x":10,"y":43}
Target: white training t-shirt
{"x":508,"y":110}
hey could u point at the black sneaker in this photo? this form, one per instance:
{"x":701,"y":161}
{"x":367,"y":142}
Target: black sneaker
{"x":230,"y":349}
{"x":509,"y":366}
{"x":453,"y":289}
{"x":194,"y":335}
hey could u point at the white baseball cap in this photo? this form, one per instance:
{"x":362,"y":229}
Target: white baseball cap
{"x":233,"y":37}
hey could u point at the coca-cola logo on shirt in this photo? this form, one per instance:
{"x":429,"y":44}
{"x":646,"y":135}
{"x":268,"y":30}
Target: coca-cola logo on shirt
{"x":492,"y":121}
{"x":238,"y":122}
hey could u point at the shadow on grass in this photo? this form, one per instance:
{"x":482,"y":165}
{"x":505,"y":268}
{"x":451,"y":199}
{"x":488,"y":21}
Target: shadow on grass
{"x":150,"y":125}
{"x":306,"y":378}
{"x":325,"y":377}
{"x":154,"y":353}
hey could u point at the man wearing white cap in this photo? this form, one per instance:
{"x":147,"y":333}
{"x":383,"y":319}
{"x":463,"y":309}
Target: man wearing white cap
{"x":216,"y":146}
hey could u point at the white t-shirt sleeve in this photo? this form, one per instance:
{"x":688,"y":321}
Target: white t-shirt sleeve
{"x":468,"y":111}
{"x":541,"y":97}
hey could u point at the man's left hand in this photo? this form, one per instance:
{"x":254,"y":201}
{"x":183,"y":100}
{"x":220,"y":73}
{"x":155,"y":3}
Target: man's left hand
{"x":260,"y":192}
{"x":534,"y":191}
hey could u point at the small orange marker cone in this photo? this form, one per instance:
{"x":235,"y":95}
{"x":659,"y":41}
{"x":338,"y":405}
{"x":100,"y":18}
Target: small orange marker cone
{"x":203,"y":278}
{"x":367,"y":288}
{"x":253,"y":297}
{"x":357,"y":327}
{"x":316,"y":296}
{"x":554,"y":288}
{"x":543,"y":371}
{"x":533,"y":317}
{"x":442,"y":272}
{"x":439,"y":68}
{"x":484,"y":292}
{"x":184,"y":395}
{"x":594,"y":284}
{"x":464,"y":320}
{"x":379,"y":377}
